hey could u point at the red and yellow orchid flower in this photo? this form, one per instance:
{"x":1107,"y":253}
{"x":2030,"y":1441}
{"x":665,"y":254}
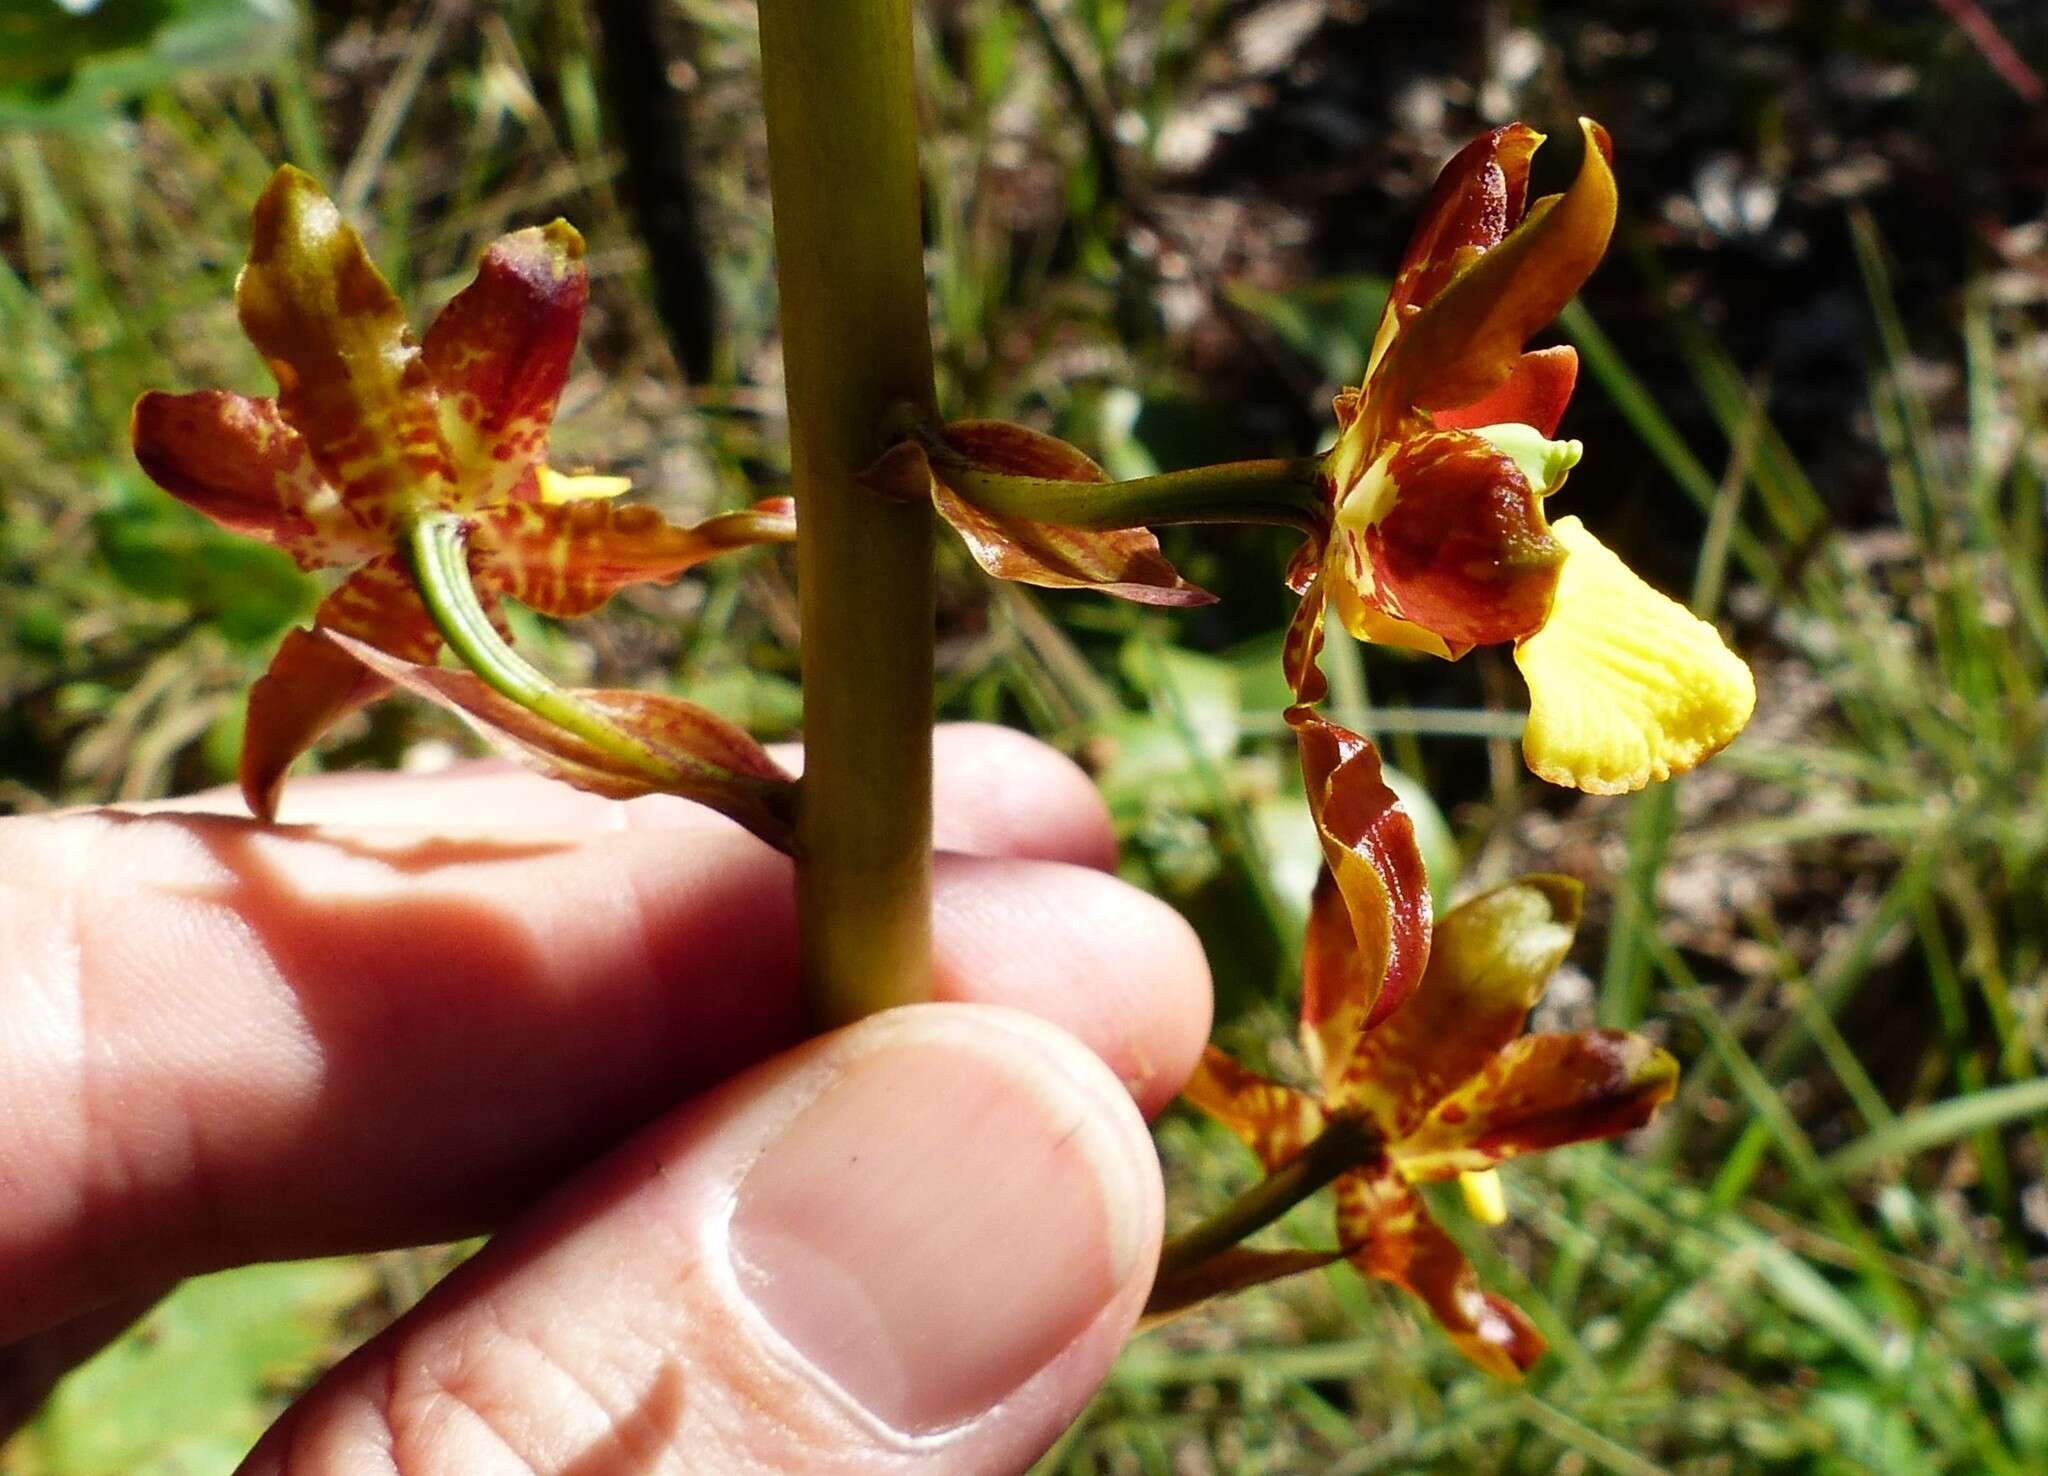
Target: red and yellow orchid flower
{"x":1438,"y":539}
{"x":370,"y":432}
{"x":1444,"y":1087}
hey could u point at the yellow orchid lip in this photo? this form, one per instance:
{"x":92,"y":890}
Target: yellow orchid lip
{"x":1627,"y":687}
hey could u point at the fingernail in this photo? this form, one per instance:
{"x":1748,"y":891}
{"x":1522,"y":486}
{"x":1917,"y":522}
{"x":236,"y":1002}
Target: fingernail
{"x":937,"y":1225}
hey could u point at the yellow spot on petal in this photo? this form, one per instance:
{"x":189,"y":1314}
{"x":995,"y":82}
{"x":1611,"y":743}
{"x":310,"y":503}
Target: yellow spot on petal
{"x":1485,"y":1200}
{"x":579,"y":487}
{"x":1626,"y":686}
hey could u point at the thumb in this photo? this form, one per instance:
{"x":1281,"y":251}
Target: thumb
{"x":915,"y":1245}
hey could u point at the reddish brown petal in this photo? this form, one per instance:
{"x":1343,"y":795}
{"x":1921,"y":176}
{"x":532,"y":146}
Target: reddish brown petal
{"x":1542,"y":1092}
{"x":1125,"y":562}
{"x":1397,"y":1241}
{"x":312,"y":684}
{"x":1276,"y":1122}
{"x":1339,"y":988}
{"x":1376,"y":868}
{"x":568,"y":558}
{"x":1488,"y":963}
{"x":1461,"y":548}
{"x":499,"y":354}
{"x":1467,"y":340}
{"x":1477,"y":199}
{"x":379,"y":604}
{"x":678,"y":748}
{"x":235,"y":459}
{"x":348,"y":377}
{"x":1535,"y":393}
{"x":1238,"y":1269}
{"x":1304,"y":645}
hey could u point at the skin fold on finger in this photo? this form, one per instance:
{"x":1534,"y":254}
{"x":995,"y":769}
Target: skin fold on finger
{"x":996,"y":792}
{"x":227,"y":1043}
{"x":822,"y":1267}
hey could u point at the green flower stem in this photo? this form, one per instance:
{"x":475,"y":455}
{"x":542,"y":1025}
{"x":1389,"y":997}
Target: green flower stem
{"x":1343,"y":1144}
{"x":436,"y":547}
{"x":843,"y":180}
{"x":1288,"y":493}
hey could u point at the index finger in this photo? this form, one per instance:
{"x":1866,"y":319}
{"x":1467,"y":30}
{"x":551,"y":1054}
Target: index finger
{"x":222,"y":1042}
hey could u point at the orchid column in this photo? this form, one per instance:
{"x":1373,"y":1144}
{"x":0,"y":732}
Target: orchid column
{"x":842,"y":172}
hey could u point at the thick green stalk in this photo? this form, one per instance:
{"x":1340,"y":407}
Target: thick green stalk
{"x":842,"y":175}
{"x":1288,"y":493}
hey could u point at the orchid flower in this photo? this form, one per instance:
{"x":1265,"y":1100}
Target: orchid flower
{"x":1437,"y":536}
{"x":370,"y":434}
{"x":1444,"y":1087}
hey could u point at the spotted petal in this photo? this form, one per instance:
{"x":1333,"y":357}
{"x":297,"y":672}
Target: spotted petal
{"x":348,"y":376}
{"x":1543,"y":1091}
{"x":1276,"y":1122}
{"x":1469,"y":337}
{"x":679,"y":748}
{"x":1376,"y":869}
{"x":499,"y":354}
{"x":1626,"y":686}
{"x":1488,"y":964}
{"x":313,"y":684}
{"x":1125,"y":562}
{"x":568,"y":558}
{"x":235,"y":459}
{"x":1381,"y":1214}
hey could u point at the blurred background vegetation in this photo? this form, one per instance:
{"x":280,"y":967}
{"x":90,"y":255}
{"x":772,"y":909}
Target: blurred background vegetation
{"x":1814,"y":402}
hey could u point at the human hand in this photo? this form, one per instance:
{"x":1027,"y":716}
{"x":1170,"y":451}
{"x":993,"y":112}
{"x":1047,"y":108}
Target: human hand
{"x":473,"y":1001}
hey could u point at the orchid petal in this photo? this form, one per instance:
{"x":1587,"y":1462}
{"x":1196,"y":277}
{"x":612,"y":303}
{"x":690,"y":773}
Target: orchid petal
{"x":236,"y":460}
{"x":499,"y":354}
{"x":1469,"y":337}
{"x":1535,"y":393}
{"x":1125,"y":562}
{"x":566,"y":559}
{"x":1375,"y":866}
{"x":1542,"y":1091}
{"x":1489,"y":961}
{"x":685,"y":750}
{"x":1276,"y":1122}
{"x":1477,"y":199}
{"x":312,"y":684}
{"x":349,"y":378}
{"x":1397,"y":1241}
{"x":557,"y":486}
{"x":1303,"y":645}
{"x":1626,"y":686}
{"x":1486,"y":1200}
{"x":1445,"y":534}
